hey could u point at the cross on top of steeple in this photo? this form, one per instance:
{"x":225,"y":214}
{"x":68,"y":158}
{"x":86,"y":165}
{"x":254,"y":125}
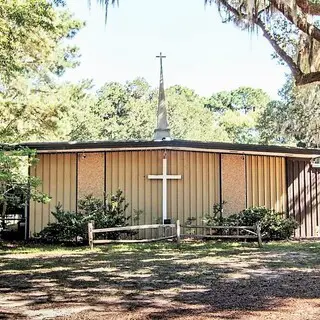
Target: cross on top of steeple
{"x":161,"y":57}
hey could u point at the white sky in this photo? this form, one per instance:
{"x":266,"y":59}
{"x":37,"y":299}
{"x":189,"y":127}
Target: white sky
{"x":202,"y":52}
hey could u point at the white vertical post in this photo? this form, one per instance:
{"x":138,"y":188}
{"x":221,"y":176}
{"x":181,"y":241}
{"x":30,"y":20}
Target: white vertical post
{"x":90,"y":234}
{"x":178,"y":232}
{"x":164,"y":190}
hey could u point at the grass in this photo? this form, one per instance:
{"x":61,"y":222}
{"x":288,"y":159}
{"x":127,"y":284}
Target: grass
{"x":205,"y":280}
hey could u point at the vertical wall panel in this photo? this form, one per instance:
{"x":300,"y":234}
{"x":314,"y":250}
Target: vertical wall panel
{"x":58,"y":173}
{"x":233,"y":183}
{"x":303,"y":196}
{"x":266,"y":182}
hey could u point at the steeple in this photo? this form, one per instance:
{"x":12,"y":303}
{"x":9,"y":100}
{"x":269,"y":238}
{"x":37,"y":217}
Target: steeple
{"x":162,"y":132}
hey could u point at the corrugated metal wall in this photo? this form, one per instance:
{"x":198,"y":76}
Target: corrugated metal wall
{"x":266,"y":182}
{"x":303,"y":196}
{"x":58,"y":173}
{"x":191,"y":196}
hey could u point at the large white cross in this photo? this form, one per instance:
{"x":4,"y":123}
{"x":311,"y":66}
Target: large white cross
{"x":164,"y":177}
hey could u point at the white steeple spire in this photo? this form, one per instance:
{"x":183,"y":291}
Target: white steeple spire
{"x":162,"y":132}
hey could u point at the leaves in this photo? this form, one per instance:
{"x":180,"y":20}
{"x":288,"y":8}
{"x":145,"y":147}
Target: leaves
{"x":17,"y":187}
{"x":294,"y":119}
{"x":106,"y":213}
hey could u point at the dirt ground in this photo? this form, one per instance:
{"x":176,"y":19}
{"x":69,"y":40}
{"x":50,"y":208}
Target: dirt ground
{"x":198,"y":281}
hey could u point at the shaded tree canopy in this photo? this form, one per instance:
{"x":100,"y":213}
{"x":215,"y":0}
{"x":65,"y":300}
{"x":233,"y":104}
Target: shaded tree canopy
{"x":290,"y":26}
{"x":294,"y":119}
{"x":34,"y":51}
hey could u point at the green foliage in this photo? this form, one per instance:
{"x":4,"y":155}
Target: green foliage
{"x":294,"y":119}
{"x":33,"y":52}
{"x":31,"y":33}
{"x":72,"y":226}
{"x":128,"y":112}
{"x":273,"y":225}
{"x":216,"y":218}
{"x":237,"y":112}
{"x":106,"y":213}
{"x":17,"y":187}
{"x":69,"y":226}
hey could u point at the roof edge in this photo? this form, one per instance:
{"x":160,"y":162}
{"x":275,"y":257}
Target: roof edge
{"x":72,"y":146}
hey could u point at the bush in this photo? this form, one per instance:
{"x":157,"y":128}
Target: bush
{"x":106,"y":213}
{"x":70,"y":226}
{"x":273,"y":225}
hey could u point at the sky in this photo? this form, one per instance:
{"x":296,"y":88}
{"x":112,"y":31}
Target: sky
{"x":203,"y":53}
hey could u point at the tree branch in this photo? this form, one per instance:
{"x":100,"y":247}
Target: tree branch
{"x":300,"y":77}
{"x":296,"y":71}
{"x":308,"y":7}
{"x":303,"y":25}
{"x":308,"y":78}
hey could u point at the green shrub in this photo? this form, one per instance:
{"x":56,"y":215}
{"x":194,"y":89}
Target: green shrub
{"x":69,"y":226}
{"x":106,"y":213}
{"x":273,"y":225}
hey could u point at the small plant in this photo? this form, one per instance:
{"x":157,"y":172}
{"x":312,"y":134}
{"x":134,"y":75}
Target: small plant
{"x":216,"y":218}
{"x":189,"y":222}
{"x":137,"y":215}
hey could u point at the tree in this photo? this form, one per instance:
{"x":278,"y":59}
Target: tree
{"x":31,"y":33}
{"x":33,"y":53}
{"x":298,"y":46}
{"x":189,"y":119}
{"x":17,"y":188}
{"x":237,"y":112}
{"x":294,"y":119}
{"x":126,"y":111}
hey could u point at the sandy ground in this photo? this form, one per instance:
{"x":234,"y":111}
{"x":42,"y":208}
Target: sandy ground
{"x":209,"y":282}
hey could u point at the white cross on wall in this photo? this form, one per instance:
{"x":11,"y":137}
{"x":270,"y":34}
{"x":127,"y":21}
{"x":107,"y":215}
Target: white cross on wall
{"x":164,"y":177}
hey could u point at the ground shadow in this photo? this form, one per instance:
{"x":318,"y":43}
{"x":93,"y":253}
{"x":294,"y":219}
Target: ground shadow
{"x":168,"y":282}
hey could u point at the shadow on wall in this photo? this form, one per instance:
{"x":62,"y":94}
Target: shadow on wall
{"x":304,"y":197}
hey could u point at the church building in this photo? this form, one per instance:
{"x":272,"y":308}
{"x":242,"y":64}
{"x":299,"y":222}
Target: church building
{"x":178,"y":179}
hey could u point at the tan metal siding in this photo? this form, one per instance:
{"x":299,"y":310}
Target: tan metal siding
{"x":266,"y":182}
{"x":303,"y":196}
{"x":233,"y":183}
{"x":128,"y":171}
{"x":192,"y":196}
{"x":58,"y":173}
